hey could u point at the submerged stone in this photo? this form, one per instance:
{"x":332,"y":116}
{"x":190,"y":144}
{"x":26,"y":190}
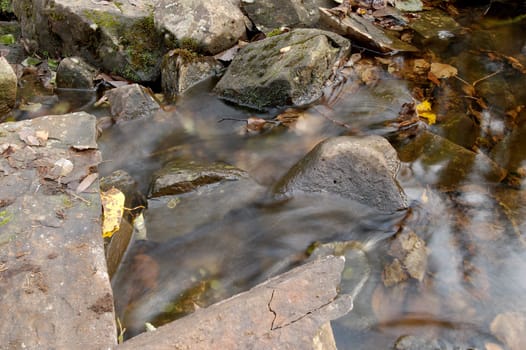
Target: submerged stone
{"x":180,"y":176}
{"x":440,"y":162}
{"x":287,"y":69}
{"x":360,"y":168}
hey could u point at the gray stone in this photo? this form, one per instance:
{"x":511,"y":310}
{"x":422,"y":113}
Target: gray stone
{"x":434,"y":24}
{"x":360,"y":168}
{"x":180,"y":176}
{"x":118,"y":35}
{"x":131,"y":102}
{"x":75,"y":73}
{"x":8,"y":87}
{"x":181,"y":70}
{"x":289,"y":311}
{"x":364,"y":31}
{"x":271,"y":14}
{"x":287,"y":69}
{"x":53,"y":280}
{"x":211,"y":26}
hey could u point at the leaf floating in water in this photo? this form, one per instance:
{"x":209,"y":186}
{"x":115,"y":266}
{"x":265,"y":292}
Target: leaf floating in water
{"x":441,"y":70}
{"x":112,"y":208}
{"x":424,"y":111}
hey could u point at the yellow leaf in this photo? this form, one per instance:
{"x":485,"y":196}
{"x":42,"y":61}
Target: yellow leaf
{"x":431,"y":117}
{"x":424,"y":106}
{"x":424,"y":111}
{"x":112,"y":208}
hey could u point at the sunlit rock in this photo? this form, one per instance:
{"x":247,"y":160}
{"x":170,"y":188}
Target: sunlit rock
{"x":360,"y":168}
{"x":8,"y":87}
{"x":208,"y":26}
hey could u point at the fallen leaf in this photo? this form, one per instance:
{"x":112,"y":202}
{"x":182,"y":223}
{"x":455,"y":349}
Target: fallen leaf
{"x":86,"y":182}
{"x":442,"y":70}
{"x":112,"y":208}
{"x":424,"y":111}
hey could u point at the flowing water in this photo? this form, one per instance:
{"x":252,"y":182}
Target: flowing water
{"x":470,"y":221}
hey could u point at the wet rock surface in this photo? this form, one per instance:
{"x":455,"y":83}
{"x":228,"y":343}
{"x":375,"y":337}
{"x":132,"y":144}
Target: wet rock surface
{"x":131,"y":102}
{"x":182,"y":69}
{"x":180,"y":176}
{"x":287,"y":69}
{"x":53,"y":280}
{"x":284,"y":312}
{"x":363,"y":169}
{"x":75,"y":73}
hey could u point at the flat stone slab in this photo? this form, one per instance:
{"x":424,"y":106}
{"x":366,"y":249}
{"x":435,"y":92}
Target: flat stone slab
{"x":290,"y":311}
{"x":54,"y":287}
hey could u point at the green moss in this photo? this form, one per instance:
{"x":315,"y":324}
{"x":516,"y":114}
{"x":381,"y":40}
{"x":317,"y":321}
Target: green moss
{"x":104,"y":20}
{"x":5,"y":217}
{"x":6,"y":6}
{"x":118,"y":5}
{"x":190,"y":44}
{"x":274,"y":32}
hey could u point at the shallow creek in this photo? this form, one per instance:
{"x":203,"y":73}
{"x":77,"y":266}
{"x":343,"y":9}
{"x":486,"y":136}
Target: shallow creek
{"x":472,"y":226}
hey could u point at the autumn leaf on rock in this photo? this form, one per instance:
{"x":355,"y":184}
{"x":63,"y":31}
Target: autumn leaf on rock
{"x":424,"y":111}
{"x":112,"y":208}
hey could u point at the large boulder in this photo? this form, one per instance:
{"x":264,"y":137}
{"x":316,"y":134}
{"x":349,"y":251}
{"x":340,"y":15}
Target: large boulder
{"x":360,"y":168}
{"x":287,"y":69}
{"x":8,"y":85}
{"x":118,"y":35}
{"x":210,"y":26}
{"x":75,"y":73}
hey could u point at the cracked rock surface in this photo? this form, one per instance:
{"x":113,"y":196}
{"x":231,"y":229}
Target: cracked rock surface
{"x":290,"y":311}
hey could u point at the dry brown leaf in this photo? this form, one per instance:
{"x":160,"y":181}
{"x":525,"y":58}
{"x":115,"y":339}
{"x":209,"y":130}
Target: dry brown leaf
{"x":442,"y":70}
{"x":86,"y":182}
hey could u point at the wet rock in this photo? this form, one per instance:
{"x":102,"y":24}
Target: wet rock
{"x":210,"y":27}
{"x":188,"y":211}
{"x":182,"y":69}
{"x":409,"y":5}
{"x":410,"y":255}
{"x":445,"y":164}
{"x":287,"y":69}
{"x":75,"y":73}
{"x":125,"y":183}
{"x":8,"y":87}
{"x":434,"y":25}
{"x":10,"y":46}
{"x":182,"y":176}
{"x":288,"y":311}
{"x":411,"y":342}
{"x":53,"y":280}
{"x":130,"y":102}
{"x":363,"y":31}
{"x":510,"y":328}
{"x":118,"y":35}
{"x":271,"y":14}
{"x":360,"y":168}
